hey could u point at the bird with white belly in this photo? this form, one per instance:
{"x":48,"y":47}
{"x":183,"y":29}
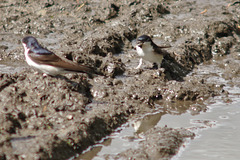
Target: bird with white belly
{"x":149,"y":51}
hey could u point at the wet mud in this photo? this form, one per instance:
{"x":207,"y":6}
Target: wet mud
{"x":59,"y":117}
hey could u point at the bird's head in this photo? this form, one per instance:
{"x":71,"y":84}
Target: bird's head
{"x":143,"y":40}
{"x":30,"y":42}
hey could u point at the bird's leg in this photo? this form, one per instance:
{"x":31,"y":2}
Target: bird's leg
{"x":140,"y":63}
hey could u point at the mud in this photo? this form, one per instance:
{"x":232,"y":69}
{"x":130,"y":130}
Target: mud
{"x":58,"y":117}
{"x":152,"y":147}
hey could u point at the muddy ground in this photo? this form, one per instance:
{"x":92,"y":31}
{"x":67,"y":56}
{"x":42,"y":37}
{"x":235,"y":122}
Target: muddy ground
{"x":58,"y":117}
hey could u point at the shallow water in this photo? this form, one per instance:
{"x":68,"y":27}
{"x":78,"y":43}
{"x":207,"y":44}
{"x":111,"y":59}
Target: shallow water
{"x":222,"y":140}
{"x":217,"y":134}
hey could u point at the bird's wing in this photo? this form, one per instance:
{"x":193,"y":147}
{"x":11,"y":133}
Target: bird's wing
{"x":159,"y":49}
{"x":43,"y":56}
{"x":70,"y":66}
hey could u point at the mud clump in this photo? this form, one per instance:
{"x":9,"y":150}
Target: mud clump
{"x":58,"y":117}
{"x":160,"y":143}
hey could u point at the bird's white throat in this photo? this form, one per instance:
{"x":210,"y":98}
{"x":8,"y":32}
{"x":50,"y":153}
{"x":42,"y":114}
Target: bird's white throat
{"x":147,"y":53}
{"x":145,"y":49}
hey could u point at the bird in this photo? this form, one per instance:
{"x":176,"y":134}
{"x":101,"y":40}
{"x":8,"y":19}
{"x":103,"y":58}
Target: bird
{"x":149,"y":51}
{"x":48,"y":62}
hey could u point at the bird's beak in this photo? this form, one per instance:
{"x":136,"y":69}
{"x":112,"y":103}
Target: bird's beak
{"x":139,"y":43}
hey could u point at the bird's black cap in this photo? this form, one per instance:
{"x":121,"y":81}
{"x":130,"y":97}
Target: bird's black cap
{"x":144,"y":38}
{"x":34,"y":46}
{"x":30,"y":41}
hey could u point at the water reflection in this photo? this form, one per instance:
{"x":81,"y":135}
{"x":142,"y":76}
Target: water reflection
{"x":93,"y":151}
{"x":147,"y":122}
{"x":129,"y":135}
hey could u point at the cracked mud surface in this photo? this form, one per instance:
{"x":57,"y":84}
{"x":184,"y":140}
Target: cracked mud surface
{"x":57,"y":117}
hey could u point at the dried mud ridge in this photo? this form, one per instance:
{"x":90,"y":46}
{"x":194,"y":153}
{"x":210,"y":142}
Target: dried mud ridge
{"x":55,"y":118}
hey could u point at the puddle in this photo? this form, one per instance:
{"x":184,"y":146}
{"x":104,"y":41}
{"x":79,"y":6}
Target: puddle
{"x":119,"y":141}
{"x":217,"y":133}
{"x":219,"y":142}
{"x":222,"y":140}
{"x":216,"y":130}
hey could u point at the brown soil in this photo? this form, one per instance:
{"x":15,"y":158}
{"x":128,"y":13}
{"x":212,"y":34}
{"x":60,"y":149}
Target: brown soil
{"x":57,"y":117}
